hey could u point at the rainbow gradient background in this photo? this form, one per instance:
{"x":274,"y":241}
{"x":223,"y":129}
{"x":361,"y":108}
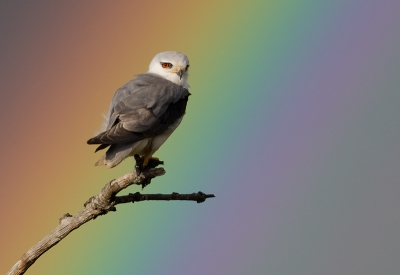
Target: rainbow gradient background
{"x":293,"y":123}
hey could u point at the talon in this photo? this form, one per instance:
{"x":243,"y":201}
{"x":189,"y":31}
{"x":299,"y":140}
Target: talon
{"x":146,"y":163}
{"x":139,"y":164}
{"x":151,"y":159}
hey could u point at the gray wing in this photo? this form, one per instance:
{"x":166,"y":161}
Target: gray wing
{"x":144,"y":107}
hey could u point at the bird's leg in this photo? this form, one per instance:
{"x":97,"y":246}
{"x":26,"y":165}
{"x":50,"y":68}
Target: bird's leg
{"x":151,"y":159}
{"x":152,"y":162}
{"x":143,"y":163}
{"x":142,"y":168}
{"x":139,"y":164}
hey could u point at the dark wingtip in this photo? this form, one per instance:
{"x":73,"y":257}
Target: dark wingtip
{"x":101,"y":147}
{"x":90,"y":141}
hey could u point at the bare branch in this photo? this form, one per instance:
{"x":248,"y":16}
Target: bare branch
{"x":199,"y":197}
{"x":101,"y":204}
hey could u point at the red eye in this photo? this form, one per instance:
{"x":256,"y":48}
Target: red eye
{"x":166,"y":65}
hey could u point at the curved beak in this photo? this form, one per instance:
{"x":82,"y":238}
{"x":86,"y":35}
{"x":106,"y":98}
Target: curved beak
{"x":180,"y":73}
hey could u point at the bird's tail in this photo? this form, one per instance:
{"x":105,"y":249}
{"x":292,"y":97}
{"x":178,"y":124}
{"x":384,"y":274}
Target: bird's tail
{"x":101,"y":161}
{"x":115,"y":154}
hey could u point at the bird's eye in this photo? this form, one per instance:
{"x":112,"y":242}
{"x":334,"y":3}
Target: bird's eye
{"x":166,"y":65}
{"x":187,"y":67}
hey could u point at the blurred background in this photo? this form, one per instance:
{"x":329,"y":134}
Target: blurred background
{"x":293,"y":124}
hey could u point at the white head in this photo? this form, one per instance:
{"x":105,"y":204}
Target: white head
{"x":172,"y":66}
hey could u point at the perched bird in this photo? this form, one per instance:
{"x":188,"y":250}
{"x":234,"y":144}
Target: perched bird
{"x":144,"y":112}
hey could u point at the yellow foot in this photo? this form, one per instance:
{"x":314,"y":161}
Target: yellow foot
{"x":146,"y":161}
{"x":143,"y":163}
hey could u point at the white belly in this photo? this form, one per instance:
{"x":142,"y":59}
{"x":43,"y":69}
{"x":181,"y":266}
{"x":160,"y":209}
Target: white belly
{"x":147,"y":147}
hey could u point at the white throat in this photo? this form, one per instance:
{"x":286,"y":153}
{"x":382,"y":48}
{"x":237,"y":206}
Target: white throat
{"x":171,"y":77}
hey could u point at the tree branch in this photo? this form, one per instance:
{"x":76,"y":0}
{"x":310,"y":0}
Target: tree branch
{"x":101,"y":204}
{"x":199,"y":197}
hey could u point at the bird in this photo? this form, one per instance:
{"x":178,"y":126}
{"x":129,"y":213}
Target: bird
{"x":145,"y":111}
